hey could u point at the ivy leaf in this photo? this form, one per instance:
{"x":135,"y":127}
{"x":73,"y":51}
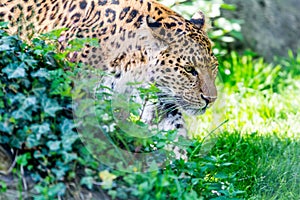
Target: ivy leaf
{"x":22,"y":114}
{"x":57,"y":190}
{"x":54,"y":34}
{"x":37,"y":130}
{"x":68,"y":157}
{"x":66,"y":126}
{"x":68,"y":140}
{"x":40,"y":91}
{"x":54,"y":145}
{"x":3,"y":25}
{"x":23,"y":159}
{"x":68,"y":135}
{"x":4,"y":47}
{"x":40,"y":129}
{"x":15,"y":71}
{"x":60,"y":170}
{"x":107,"y":179}
{"x":31,"y":141}
{"x":28,"y":102}
{"x":6,"y":127}
{"x":18,"y":98}
{"x":50,"y":106}
{"x":10,"y":41}
{"x":41,"y":73}
{"x":27,"y":59}
{"x":87,"y":181}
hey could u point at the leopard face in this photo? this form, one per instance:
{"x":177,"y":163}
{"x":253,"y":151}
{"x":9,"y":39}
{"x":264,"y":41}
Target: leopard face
{"x":186,"y":70}
{"x":139,"y":39}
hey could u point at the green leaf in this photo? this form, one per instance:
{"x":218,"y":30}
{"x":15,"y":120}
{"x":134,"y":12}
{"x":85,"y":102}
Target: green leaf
{"x":61,"y":171}
{"x":15,"y":71}
{"x":28,"y":60}
{"x":4,"y":47}
{"x":66,"y":126}
{"x":22,"y":114}
{"x":41,"y":73}
{"x":112,"y":193}
{"x":39,"y":188}
{"x":39,"y":91}
{"x":3,"y":186}
{"x":191,"y":195}
{"x":40,"y":129}
{"x":195,"y":181}
{"x":23,"y":159}
{"x":57,"y":190}
{"x":54,"y":145}
{"x":18,"y":98}
{"x":79,"y":43}
{"x":230,"y":7}
{"x":54,"y":34}
{"x":29,"y":101}
{"x":221,"y":175}
{"x":87,"y":181}
{"x":226,"y":164}
{"x":32,"y":141}
{"x":144,"y":186}
{"x":68,"y":135}
{"x":107,"y":179}
{"x":3,"y":25}
{"x":68,"y":157}
{"x":50,"y":106}
{"x":69,"y":139}
{"x":6,"y":127}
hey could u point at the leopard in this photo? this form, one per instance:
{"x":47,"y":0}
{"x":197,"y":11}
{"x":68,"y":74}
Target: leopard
{"x":139,"y":40}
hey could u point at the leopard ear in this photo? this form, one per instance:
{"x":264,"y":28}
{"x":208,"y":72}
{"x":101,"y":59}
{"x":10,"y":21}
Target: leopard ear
{"x":158,"y":31}
{"x":152,"y":36}
{"x":198,"y":19}
{"x":152,"y":23}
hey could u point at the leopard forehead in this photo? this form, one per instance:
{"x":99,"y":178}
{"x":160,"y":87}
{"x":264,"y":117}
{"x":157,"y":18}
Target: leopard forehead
{"x":193,"y":49}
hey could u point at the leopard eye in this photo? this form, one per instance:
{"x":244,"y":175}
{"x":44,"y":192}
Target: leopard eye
{"x":191,"y":70}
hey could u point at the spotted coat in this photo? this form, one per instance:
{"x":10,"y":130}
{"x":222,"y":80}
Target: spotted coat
{"x":140,"y":40}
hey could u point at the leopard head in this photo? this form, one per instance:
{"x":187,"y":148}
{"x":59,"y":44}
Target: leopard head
{"x":186,"y":69}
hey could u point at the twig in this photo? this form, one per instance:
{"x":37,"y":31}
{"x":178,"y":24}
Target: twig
{"x":143,"y":109}
{"x":23,"y":178}
{"x":13,"y":163}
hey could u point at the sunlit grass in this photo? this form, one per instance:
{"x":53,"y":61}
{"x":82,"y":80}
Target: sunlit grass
{"x":261,"y":135}
{"x":254,"y":112}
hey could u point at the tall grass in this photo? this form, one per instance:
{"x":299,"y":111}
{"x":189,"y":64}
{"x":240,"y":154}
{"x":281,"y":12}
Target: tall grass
{"x":260,"y":104}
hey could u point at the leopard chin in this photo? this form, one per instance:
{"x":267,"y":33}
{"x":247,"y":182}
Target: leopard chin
{"x":194,"y":111}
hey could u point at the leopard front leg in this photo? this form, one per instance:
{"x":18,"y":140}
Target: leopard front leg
{"x":175,"y":121}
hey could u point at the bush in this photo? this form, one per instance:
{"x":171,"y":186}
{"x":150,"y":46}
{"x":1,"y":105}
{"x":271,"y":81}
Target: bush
{"x":36,"y":112}
{"x":37,"y":123}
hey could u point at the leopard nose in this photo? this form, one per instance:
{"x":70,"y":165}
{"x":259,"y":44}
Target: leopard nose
{"x":208,"y":99}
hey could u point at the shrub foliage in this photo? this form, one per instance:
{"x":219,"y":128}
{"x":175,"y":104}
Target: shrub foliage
{"x":37,"y":126}
{"x":36,"y":113}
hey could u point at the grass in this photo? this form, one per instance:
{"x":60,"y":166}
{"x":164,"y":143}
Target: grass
{"x":260,"y":104}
